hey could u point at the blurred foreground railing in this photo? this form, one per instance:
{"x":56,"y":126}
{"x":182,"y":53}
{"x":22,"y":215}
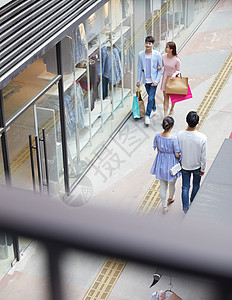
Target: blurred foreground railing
{"x":195,"y":246}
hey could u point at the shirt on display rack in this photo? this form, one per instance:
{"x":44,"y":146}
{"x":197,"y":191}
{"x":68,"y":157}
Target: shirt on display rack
{"x":107,"y":62}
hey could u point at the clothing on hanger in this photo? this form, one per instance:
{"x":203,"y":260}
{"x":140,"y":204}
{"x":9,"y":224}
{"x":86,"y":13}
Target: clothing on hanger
{"x":80,"y":105}
{"x":107,"y":59}
{"x":110,"y":75}
{"x":69,"y":116}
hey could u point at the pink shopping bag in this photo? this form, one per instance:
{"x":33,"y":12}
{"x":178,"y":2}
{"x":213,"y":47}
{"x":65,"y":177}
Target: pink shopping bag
{"x":177,"y":97}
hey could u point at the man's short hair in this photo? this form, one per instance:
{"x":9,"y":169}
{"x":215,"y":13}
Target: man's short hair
{"x":192,"y":119}
{"x":150,"y":39}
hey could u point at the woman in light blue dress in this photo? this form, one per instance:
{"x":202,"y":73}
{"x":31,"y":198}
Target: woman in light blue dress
{"x":168,"y":155}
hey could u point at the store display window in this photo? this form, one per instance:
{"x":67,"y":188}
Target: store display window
{"x":97,"y":89}
{"x":99,"y":66}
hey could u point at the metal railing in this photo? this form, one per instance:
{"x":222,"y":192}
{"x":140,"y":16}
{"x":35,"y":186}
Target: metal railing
{"x":194,"y":248}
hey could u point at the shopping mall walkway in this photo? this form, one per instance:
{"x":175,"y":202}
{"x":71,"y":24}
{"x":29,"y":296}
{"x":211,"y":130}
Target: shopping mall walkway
{"x":120,"y":180}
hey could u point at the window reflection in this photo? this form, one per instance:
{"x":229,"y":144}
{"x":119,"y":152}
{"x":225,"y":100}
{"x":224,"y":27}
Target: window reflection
{"x":27,"y":84}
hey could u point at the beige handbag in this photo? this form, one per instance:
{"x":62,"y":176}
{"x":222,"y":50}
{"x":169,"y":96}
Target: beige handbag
{"x":178,"y":85}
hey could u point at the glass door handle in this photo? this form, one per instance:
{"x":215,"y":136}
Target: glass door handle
{"x":45,"y":160}
{"x":32,"y":163}
{"x":38,"y":163}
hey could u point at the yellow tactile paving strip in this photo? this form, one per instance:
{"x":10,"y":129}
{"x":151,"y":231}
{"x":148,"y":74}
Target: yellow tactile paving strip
{"x":106,"y":279}
{"x":151,"y":200}
{"x":112,"y":268}
{"x":103,"y":284}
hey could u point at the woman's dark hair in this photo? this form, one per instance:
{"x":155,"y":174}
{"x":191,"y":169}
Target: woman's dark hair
{"x":172,"y":46}
{"x":150,"y":39}
{"x":192,"y":119}
{"x":168,"y":122}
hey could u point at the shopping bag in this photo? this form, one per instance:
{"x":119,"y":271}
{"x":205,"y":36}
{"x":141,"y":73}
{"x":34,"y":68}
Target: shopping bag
{"x":135,"y":107}
{"x":178,"y":85}
{"x":142,"y":110}
{"x":177,"y":98}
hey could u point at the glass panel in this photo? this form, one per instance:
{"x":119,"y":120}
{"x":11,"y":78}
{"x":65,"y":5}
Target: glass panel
{"x":164,"y":31}
{"x":77,"y":101}
{"x":48,"y":118}
{"x":100,"y":89}
{"x":128,"y":55}
{"x":190,"y":17}
{"x":6,"y":253}
{"x":139,"y":20}
{"x":19,"y":150}
{"x":24,"y":243}
{"x":105,"y":73}
{"x":122,"y":58}
{"x":26,"y":85}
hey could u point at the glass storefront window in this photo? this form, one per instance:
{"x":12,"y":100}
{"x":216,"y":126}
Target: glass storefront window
{"x":172,"y":20}
{"x":19,"y":151}
{"x":27,"y":84}
{"x":99,"y":62}
{"x":99,"y":92}
{"x":47,"y":115}
{"x":43,"y":115}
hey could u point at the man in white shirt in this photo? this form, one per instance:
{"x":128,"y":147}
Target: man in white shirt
{"x":148,"y":62}
{"x":193,"y":148}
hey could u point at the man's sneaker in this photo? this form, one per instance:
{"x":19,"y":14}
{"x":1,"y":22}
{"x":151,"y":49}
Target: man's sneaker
{"x":147,"y":120}
{"x":152,"y":113}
